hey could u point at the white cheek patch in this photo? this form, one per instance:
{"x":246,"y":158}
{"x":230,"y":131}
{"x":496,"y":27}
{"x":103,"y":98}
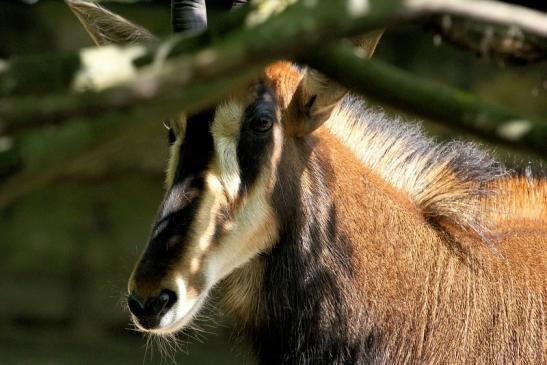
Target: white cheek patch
{"x":225,"y":130}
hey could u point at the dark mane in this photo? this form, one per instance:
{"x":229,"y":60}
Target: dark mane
{"x":445,"y":180}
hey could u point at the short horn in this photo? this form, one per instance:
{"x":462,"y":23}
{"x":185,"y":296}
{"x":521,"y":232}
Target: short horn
{"x":188,"y":15}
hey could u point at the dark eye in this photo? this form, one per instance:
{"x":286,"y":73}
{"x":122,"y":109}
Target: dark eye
{"x":261,"y":125}
{"x":171,"y":136}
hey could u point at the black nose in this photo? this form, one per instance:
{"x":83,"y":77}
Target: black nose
{"x":150,"y":311}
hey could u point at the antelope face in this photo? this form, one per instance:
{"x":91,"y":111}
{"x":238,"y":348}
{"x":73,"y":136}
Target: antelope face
{"x":217,"y":213}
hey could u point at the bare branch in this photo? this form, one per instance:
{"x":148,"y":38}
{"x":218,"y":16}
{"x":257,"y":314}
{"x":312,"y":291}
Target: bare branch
{"x":505,"y":43}
{"x":485,"y":11}
{"x":238,"y":52}
{"x":309,"y":23}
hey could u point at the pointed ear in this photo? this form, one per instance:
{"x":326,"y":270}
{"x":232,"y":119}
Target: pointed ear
{"x":105,"y":27}
{"x":317,"y":95}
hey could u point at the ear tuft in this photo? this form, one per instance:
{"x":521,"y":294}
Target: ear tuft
{"x":317,"y":95}
{"x":105,"y":27}
{"x":368,"y":42}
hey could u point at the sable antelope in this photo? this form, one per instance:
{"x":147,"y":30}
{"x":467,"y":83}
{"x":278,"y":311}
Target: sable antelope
{"x":338,"y":235}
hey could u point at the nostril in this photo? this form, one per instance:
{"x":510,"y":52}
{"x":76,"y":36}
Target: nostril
{"x":164,"y":298}
{"x":136,"y":306}
{"x":163,"y":302}
{"x":172,"y":297}
{"x":152,"y":307}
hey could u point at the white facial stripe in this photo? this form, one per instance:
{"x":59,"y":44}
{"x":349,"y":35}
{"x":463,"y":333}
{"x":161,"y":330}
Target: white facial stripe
{"x":254,"y":227}
{"x":252,"y":230}
{"x":200,"y":237}
{"x":203,"y":227}
{"x":225,"y":130}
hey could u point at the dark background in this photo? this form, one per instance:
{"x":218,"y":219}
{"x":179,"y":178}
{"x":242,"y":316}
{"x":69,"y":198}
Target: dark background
{"x":66,"y":250}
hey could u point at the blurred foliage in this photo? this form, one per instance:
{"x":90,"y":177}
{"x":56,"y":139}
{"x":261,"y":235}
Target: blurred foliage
{"x":521,"y":88}
{"x":67,"y":249}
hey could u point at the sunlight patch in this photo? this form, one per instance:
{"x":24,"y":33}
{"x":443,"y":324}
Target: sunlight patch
{"x":514,"y":129}
{"x":357,"y":8}
{"x":106,"y":67}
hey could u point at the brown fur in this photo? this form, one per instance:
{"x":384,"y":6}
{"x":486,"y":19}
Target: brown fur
{"x":426,"y":299}
{"x":429,"y":287}
{"x":451,"y":300}
{"x":362,"y":242}
{"x":518,"y":201}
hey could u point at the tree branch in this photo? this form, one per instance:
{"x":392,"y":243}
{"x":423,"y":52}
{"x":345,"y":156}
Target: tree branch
{"x":321,"y":21}
{"x":152,"y":75}
{"x":505,"y":43}
{"x":185,"y":74}
{"x":301,"y":26}
{"x":485,"y":11}
{"x":44,"y":154}
{"x":445,"y":105}
{"x":60,"y":72}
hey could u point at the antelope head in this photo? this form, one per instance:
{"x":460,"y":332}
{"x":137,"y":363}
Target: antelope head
{"x":220,"y":210}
